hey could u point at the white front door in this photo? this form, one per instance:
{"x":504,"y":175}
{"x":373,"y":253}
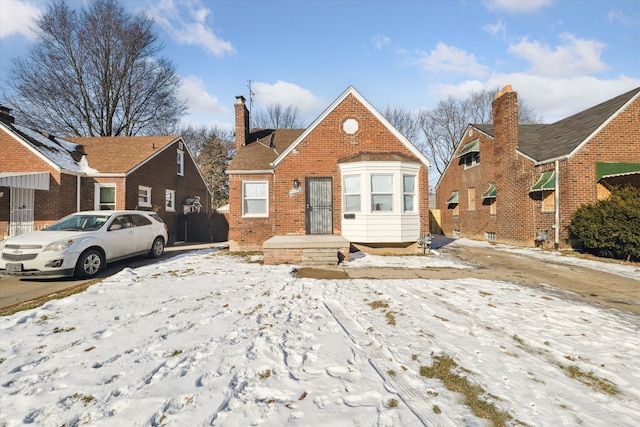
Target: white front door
{"x":21,"y":211}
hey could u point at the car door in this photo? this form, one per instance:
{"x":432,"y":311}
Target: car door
{"x":143,"y":228}
{"x":120,"y":237}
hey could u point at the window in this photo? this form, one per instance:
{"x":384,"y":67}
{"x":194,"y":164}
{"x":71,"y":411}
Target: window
{"x":492,"y":206}
{"x":471,"y":160}
{"x":456,"y":210}
{"x":105,"y":197}
{"x":409,"y":191}
{"x":382,"y":193}
{"x":351,"y":190}
{"x":471,"y":199}
{"x":548,"y":201}
{"x":254,"y":198}
{"x":180,"y":162}
{"x":170,"y":201}
{"x":144,"y":196}
{"x":490,"y":235}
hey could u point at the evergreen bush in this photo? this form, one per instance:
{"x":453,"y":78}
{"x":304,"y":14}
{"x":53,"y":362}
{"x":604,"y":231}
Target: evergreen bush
{"x":610,"y":227}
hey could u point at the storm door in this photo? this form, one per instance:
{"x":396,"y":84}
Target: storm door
{"x":21,"y":211}
{"x":319,"y":205}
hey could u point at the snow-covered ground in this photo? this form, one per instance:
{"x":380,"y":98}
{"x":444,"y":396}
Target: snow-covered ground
{"x":206,"y":338}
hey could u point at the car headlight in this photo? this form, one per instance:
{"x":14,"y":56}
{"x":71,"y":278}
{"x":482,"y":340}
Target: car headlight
{"x":59,"y":246}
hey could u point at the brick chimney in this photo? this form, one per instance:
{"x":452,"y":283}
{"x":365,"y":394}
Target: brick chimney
{"x":242,"y":122}
{"x":504,"y":110}
{"x":5,"y":115}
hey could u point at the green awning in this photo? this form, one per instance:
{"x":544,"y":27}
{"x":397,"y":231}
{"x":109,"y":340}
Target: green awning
{"x":470,"y":147}
{"x":491,"y":192}
{"x":547,"y":181}
{"x":611,"y":169}
{"x":454,"y":199}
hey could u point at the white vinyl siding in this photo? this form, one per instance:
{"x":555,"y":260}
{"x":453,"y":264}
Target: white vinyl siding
{"x":389,"y":212}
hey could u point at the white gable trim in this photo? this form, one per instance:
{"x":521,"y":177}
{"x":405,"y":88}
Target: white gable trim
{"x":352,"y":91}
{"x":157,"y":153}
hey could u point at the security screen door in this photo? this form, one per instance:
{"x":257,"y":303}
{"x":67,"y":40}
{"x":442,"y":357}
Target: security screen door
{"x":319,"y":205}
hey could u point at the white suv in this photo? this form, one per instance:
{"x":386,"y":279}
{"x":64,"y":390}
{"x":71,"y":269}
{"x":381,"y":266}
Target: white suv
{"x":82,"y":243}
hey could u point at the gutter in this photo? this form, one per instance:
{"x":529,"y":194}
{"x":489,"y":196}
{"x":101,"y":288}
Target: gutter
{"x":556,"y":196}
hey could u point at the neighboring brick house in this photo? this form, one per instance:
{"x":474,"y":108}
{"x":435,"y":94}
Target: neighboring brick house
{"x":349,"y":174}
{"x":520,"y":184}
{"x":43,"y":177}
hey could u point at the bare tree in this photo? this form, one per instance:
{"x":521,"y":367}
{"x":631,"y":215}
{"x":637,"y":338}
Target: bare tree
{"x":213,"y":149}
{"x":278,"y":117}
{"x":94,"y":73}
{"x":404,"y":120}
{"x":444,"y":125}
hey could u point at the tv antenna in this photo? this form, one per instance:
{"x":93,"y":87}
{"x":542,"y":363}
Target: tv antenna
{"x":251,"y":94}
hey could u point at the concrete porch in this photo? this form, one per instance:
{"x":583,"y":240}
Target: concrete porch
{"x":308,"y":250}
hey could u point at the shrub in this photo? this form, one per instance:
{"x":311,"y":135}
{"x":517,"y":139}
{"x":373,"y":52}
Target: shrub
{"x":610,"y":227}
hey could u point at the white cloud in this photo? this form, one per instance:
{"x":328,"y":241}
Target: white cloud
{"x":576,"y":57}
{"x":497,"y":29}
{"x":380,"y":41}
{"x":191,"y":29}
{"x":17,"y":17}
{"x":288,"y":94}
{"x":616,"y":16}
{"x":449,"y":59}
{"x":552,"y":98}
{"x":516,"y":6}
{"x":194,"y":92}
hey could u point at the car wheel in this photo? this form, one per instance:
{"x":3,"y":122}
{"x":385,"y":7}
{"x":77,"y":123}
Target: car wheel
{"x":157,"y":248}
{"x":89,"y":263}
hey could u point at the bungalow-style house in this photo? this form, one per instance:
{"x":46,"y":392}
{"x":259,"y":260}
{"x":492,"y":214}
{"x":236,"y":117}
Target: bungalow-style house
{"x":44,"y":177}
{"x":520,"y":184}
{"x":349,"y":178}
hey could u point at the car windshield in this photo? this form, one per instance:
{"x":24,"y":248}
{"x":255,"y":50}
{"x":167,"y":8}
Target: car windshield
{"x":80,"y":223}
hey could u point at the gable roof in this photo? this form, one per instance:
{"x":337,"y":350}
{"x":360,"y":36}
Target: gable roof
{"x":262,"y":148}
{"x":353,"y":92}
{"x":61,"y":154}
{"x":545,"y":142}
{"x":122,"y":154}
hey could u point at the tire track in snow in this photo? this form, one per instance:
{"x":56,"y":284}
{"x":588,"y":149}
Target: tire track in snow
{"x":380,"y":359}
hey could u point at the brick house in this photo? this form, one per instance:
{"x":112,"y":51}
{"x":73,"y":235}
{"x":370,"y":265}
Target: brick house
{"x":44,"y":177}
{"x":350,"y":177}
{"x":520,"y":184}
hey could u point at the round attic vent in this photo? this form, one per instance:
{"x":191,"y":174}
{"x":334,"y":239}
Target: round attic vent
{"x":350,"y":126}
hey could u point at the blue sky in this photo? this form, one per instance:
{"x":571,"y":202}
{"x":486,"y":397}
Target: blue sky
{"x":561,"y":56}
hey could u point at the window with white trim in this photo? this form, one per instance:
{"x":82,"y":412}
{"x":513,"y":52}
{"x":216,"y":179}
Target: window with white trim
{"x":105,"y":197}
{"x":352,"y":192}
{"x":255,"y":196}
{"x":180,"y":162}
{"x":170,"y":201}
{"x":409,"y":192}
{"x":381,"y":193}
{"x":144,"y":196}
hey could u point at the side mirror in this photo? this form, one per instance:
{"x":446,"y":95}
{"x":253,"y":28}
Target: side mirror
{"x":115,"y":227}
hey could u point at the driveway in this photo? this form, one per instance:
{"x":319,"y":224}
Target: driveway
{"x":598,"y":286}
{"x":17,"y":291}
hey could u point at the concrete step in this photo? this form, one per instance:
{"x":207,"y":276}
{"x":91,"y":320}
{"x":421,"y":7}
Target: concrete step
{"x":319,"y":257}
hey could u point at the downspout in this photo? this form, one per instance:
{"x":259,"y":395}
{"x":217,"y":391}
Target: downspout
{"x":556,"y":243}
{"x":78,"y":182}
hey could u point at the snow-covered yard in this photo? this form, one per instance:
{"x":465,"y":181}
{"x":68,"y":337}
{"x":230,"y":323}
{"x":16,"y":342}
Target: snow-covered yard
{"x":211,"y":339}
